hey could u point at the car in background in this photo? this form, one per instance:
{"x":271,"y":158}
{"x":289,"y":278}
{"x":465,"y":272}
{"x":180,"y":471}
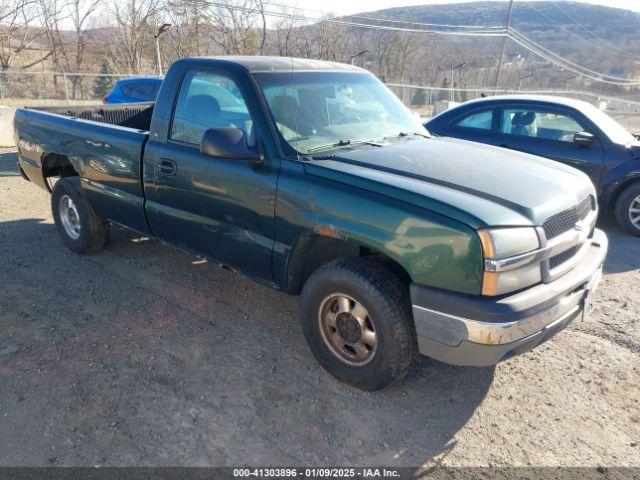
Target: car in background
{"x":566,"y":130}
{"x":132,"y":90}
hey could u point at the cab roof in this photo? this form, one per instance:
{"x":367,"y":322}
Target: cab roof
{"x":256,"y":64}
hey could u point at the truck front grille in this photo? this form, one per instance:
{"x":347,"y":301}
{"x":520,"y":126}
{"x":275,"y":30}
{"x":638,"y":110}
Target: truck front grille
{"x":566,"y":220}
{"x":562,"y":257}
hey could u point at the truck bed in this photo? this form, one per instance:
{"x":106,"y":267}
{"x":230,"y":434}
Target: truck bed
{"x":130,"y":115}
{"x":103,"y":145}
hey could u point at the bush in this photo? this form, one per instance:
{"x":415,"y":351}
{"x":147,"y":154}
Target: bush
{"x":104,"y":84}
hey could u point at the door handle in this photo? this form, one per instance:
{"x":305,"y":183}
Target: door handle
{"x":166,"y":167}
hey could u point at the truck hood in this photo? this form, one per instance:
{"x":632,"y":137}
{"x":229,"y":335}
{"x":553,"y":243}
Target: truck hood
{"x":477,"y":184}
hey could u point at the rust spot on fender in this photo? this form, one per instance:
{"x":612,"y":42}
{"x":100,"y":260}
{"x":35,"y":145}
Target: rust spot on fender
{"x":327,"y":230}
{"x":487,"y":339}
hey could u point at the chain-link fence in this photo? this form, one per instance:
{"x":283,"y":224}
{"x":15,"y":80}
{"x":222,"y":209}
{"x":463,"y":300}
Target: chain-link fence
{"x":429,"y":101}
{"x":42,"y":88}
{"x":51,"y":88}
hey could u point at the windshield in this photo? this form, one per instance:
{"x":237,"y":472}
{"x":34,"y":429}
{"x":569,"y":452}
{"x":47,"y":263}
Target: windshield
{"x":612,"y":129}
{"x":319,"y":111}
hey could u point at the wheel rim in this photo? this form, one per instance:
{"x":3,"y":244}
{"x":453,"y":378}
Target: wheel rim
{"x":347,"y":329}
{"x":69,"y":217}
{"x":634,"y":212}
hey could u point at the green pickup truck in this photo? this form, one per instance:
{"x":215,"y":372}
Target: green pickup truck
{"x":312,"y":177}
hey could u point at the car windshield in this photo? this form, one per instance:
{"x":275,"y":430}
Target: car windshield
{"x":320,"y":111}
{"x":612,"y":129}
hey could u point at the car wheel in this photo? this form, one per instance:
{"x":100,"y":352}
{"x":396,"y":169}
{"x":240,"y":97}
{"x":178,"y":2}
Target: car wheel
{"x":627,"y":209}
{"x":81,"y":230}
{"x":356,"y":318}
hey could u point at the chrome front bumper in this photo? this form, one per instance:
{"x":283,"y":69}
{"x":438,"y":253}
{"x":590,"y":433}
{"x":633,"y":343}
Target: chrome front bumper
{"x":480,"y":331}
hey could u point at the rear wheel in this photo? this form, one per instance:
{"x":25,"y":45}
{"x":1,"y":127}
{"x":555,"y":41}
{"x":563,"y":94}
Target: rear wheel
{"x":356,"y":318}
{"x":627,"y":209}
{"x":81,"y":230}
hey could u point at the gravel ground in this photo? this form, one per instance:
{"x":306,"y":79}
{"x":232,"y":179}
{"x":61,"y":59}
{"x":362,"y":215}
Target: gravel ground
{"x":141,"y":355}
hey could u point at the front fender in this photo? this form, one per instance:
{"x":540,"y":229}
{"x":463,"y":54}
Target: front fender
{"x":433,"y":249}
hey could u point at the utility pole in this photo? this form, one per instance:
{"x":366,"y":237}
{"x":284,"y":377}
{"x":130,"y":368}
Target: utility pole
{"x":453,"y":69}
{"x":163,"y":28}
{"x":507,"y":23}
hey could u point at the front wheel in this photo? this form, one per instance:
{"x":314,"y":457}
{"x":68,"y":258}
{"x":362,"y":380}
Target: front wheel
{"x":81,"y":230}
{"x":356,"y":318}
{"x":628,"y":209}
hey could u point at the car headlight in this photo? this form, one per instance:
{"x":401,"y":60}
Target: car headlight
{"x":506,"y":267}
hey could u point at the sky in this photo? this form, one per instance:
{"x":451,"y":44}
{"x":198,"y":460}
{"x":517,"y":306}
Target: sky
{"x":347,"y":7}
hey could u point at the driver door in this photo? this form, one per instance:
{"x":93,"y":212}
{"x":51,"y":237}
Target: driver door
{"x":220,"y":208}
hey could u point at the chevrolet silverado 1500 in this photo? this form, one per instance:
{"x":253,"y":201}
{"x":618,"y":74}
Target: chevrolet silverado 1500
{"x":311,"y":177}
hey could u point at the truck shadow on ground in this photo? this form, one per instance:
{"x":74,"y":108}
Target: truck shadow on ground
{"x":153,"y":356}
{"x":622,"y":247}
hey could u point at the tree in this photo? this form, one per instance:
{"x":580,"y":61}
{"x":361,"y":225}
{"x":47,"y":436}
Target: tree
{"x":184,"y":38}
{"x":286,"y":28}
{"x":419,"y":97}
{"x":383,"y":46}
{"x":234,"y":26}
{"x":330,"y":40}
{"x":50,"y":13}
{"x":18,"y":29}
{"x":443,"y":94}
{"x":105,"y":82}
{"x":79,"y":12}
{"x":136,"y":21}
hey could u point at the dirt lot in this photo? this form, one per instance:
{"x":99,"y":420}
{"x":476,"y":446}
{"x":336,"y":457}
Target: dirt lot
{"x":141,"y":355}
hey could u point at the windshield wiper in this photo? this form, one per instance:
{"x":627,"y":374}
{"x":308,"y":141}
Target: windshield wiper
{"x":406,"y":134}
{"x":375,"y":143}
{"x":344,"y":143}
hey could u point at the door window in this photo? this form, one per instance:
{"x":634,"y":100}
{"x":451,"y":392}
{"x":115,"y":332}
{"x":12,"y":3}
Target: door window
{"x":546,"y":124}
{"x":207,"y":100}
{"x":477,"y":121}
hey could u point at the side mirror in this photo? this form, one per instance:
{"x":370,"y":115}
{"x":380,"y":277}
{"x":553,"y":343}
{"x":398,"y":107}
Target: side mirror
{"x":227,"y":142}
{"x":583,"y":139}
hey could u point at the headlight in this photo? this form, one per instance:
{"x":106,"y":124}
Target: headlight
{"x":499,"y":244}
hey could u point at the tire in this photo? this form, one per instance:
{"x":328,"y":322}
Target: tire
{"x":81,"y":230}
{"x":336,"y":289}
{"x":627,"y":203}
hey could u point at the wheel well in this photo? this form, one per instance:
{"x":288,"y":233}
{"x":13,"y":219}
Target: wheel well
{"x":55,"y":165}
{"x":311,"y":253}
{"x":613,"y":198}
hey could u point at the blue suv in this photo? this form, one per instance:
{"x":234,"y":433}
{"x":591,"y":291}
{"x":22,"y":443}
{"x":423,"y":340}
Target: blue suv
{"x":131,"y":90}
